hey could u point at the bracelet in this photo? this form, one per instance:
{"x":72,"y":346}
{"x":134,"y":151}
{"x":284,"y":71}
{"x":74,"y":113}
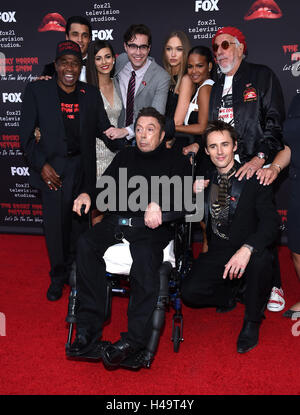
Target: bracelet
{"x":276,"y":165}
{"x":251,"y":249}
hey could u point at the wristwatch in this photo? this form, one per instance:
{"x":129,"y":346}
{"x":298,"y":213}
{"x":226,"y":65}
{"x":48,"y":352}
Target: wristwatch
{"x":261,"y":155}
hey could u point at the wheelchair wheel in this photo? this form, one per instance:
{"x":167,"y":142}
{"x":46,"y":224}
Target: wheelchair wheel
{"x":176,"y":339}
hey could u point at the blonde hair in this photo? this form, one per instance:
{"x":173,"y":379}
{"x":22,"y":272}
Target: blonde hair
{"x":186,"y":47}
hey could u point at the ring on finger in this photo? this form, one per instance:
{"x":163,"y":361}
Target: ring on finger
{"x":48,"y":182}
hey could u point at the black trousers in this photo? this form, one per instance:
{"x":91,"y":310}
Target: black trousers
{"x":62,"y":227}
{"x":146,"y":247}
{"x":206,"y":287}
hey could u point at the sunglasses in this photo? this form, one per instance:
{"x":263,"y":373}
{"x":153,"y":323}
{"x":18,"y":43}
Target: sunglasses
{"x":224,"y":45}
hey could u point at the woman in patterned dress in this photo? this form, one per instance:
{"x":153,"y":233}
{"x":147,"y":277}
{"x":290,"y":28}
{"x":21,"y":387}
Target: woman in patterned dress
{"x":99,"y":72}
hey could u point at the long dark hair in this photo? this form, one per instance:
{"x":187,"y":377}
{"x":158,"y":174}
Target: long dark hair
{"x":91,"y":71}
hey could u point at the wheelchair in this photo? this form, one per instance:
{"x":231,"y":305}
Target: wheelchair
{"x":177,"y":261}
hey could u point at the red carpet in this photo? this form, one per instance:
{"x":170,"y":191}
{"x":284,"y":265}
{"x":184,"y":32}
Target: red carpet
{"x":32,"y":358}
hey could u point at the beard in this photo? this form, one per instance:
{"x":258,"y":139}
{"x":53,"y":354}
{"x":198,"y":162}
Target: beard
{"x":227,"y":68}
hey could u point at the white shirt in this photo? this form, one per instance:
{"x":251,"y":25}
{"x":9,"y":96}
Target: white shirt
{"x":124,"y":76}
{"x":82,"y":76}
{"x":226,"y":109}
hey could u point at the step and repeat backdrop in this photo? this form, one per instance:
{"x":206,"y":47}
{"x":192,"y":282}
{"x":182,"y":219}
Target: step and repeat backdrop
{"x":29,"y":32}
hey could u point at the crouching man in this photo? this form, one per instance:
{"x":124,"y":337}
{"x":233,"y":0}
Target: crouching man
{"x":242,"y":224}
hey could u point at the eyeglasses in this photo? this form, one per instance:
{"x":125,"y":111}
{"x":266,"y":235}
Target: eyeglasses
{"x":224,"y":45}
{"x":133,"y":47}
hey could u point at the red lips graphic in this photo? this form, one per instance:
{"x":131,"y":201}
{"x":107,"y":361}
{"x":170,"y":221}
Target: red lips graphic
{"x":263,"y":9}
{"x":52,"y":22}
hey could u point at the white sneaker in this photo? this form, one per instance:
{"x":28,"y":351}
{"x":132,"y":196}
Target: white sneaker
{"x":276,"y":301}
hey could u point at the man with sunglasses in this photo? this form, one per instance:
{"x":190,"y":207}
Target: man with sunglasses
{"x":139,"y":80}
{"x":249,"y":97}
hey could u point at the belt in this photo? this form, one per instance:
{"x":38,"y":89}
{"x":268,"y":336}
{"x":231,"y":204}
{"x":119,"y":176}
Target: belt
{"x":138,"y":221}
{"x":131,"y":222}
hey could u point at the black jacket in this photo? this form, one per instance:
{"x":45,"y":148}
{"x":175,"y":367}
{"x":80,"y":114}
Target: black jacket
{"x":49,"y":69}
{"x":253,"y":218}
{"x":148,"y":166}
{"x":258,"y":120}
{"x":41,"y":107}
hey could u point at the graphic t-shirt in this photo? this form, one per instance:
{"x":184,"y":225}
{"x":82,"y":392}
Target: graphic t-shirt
{"x":70,"y":112}
{"x":226,"y":109}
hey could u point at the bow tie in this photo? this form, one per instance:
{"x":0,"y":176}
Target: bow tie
{"x":83,"y":62}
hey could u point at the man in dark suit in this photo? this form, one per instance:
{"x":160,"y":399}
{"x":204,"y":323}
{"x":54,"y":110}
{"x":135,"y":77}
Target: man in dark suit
{"x":79,"y":30}
{"x":242,"y":224}
{"x":70,"y":115}
{"x":139,"y":80}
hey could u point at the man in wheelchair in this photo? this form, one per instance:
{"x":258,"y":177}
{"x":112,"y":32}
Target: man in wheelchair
{"x":136,"y":215}
{"x":242,"y":225}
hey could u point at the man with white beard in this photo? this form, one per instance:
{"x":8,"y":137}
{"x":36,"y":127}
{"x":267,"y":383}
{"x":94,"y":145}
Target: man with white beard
{"x":249,"y":97}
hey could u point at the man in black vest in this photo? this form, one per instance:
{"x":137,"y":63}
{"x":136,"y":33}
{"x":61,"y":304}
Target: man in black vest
{"x":70,"y":115}
{"x":242,"y":224}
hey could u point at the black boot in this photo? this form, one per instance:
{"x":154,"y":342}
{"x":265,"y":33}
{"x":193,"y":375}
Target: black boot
{"x":55,"y":291}
{"x":136,"y":361}
{"x":85,"y":343}
{"x":248,"y":337}
{"x":115,"y":353}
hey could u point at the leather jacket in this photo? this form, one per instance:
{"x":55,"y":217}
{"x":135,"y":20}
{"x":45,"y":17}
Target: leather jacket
{"x":258,"y":108}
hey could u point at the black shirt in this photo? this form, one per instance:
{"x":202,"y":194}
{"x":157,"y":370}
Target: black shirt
{"x":70,"y":112}
{"x":148,"y":165}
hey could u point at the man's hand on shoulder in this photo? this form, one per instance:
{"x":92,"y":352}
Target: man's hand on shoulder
{"x":153,"y":216}
{"x":268,"y":175}
{"x":249,"y":168}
